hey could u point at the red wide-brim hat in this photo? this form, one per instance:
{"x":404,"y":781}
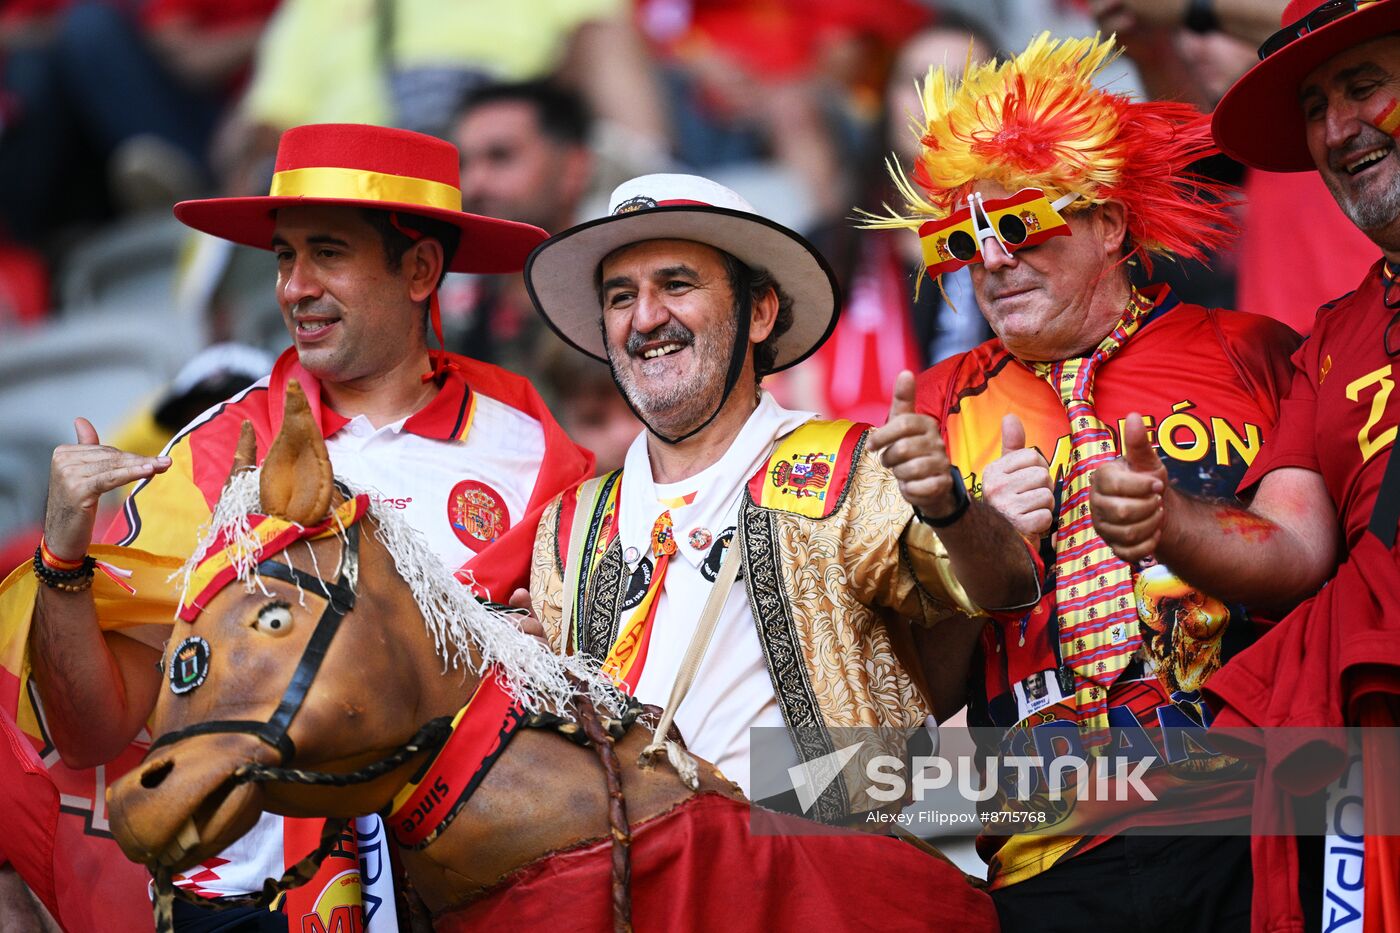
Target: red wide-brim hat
{"x":1259,"y":121}
{"x":357,"y":165}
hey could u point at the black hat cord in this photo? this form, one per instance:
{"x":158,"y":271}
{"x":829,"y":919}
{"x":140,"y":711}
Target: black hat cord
{"x":736,"y":366}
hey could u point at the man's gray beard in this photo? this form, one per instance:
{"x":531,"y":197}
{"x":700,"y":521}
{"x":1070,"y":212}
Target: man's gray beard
{"x":678,"y":406}
{"x":1371,"y":215}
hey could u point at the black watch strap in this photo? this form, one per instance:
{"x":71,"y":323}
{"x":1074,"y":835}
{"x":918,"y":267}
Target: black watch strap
{"x":961,"y":501}
{"x":1201,"y":17}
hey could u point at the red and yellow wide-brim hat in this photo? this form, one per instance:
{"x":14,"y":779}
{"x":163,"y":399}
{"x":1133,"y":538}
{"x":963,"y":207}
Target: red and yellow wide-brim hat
{"x":1259,"y":121}
{"x":357,"y":165}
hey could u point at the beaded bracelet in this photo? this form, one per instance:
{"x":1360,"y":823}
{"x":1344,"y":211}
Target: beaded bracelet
{"x":73,"y":580}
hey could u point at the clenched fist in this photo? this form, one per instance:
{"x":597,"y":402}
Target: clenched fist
{"x":911,"y":447}
{"x":1128,"y":496}
{"x":1017,"y":484}
{"x":79,"y":475}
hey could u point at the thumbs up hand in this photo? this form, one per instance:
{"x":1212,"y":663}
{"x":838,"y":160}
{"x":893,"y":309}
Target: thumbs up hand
{"x":911,"y":447}
{"x":1017,"y":484}
{"x":1128,"y":499}
{"x":78,"y":476}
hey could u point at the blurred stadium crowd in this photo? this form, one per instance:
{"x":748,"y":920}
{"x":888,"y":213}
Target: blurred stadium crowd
{"x":112,"y":110}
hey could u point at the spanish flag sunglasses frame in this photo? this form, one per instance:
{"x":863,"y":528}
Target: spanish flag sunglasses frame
{"x":1026,"y":218}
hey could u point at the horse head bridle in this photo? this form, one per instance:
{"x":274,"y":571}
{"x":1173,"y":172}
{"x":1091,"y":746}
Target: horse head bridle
{"x":592,"y":729}
{"x":340,"y":599}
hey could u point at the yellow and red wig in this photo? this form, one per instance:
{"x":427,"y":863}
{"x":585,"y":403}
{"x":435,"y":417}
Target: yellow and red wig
{"x":1038,"y":121}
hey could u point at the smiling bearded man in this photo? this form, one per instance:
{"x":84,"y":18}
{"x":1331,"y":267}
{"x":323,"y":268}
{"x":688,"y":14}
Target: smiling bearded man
{"x":692,"y":298}
{"x":1326,"y":96}
{"x":684,"y":382}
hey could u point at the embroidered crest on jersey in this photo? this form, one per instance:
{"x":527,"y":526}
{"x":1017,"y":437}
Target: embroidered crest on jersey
{"x":477,"y":513}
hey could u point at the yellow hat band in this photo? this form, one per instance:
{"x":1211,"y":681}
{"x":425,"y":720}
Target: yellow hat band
{"x":357,"y":185}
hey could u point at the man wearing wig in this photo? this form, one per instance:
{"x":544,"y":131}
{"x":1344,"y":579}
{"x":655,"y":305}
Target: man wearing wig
{"x":1052,"y":189}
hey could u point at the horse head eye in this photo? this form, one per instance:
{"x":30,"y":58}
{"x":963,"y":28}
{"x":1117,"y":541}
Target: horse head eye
{"x":274,"y":619}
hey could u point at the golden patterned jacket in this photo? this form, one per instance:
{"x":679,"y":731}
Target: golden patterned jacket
{"x":831,"y":574}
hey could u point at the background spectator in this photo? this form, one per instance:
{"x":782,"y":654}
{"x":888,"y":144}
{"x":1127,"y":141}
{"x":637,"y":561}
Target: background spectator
{"x":778,"y":80}
{"x":525,"y":155}
{"x":132,"y":90}
{"x":407,"y":63}
{"x":1296,"y":250}
{"x":884,"y":327}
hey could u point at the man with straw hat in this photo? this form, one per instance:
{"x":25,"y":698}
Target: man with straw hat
{"x":1325,"y":95}
{"x":364,"y":222}
{"x":691,"y":298}
{"x":1049,"y":187}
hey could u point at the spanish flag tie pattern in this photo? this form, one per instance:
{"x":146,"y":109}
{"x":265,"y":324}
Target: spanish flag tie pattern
{"x":629,"y":653}
{"x":1094,"y":603}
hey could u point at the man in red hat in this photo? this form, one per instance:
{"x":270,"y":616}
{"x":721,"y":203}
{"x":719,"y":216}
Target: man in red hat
{"x":364,"y":222}
{"x":1326,"y":96}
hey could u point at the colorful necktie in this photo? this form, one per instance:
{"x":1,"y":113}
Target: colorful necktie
{"x":1095,"y":609}
{"x":629,"y":653}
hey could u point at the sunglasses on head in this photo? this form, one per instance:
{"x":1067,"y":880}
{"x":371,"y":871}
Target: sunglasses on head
{"x":1327,"y":13}
{"x":1026,"y":218}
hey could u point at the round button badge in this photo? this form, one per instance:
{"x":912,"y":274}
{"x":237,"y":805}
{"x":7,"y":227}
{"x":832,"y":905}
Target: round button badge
{"x":189,"y":665}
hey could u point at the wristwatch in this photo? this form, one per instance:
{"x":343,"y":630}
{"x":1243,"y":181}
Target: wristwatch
{"x":960,"y":503}
{"x":1200,"y":16}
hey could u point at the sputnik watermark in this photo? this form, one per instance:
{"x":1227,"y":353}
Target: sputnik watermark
{"x":1117,"y":778}
{"x":1024,"y":779}
{"x":1147,"y":779}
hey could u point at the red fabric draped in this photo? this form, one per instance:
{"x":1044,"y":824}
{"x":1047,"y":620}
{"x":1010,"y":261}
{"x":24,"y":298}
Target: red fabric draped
{"x":699,"y":867}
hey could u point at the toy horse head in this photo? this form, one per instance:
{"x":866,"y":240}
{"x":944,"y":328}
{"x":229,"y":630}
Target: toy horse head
{"x":315,"y":662}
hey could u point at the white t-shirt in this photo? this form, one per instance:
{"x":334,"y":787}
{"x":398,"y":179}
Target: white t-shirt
{"x":732,"y":691}
{"x":456,"y":493}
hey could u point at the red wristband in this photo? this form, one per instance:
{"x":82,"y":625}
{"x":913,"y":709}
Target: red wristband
{"x":54,"y":562}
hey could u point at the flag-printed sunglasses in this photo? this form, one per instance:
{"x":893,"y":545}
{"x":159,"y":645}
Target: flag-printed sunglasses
{"x":1026,"y":218}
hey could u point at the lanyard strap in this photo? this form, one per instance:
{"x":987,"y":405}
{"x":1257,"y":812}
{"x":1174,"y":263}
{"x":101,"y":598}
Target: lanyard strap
{"x":690,"y":664}
{"x":574,"y":555}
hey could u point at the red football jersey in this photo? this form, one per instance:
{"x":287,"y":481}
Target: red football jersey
{"x":1338,"y":415}
{"x":1207,"y":382}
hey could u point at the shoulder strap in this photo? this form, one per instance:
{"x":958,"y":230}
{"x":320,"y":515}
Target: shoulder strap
{"x":694,"y":654}
{"x":584,"y":496}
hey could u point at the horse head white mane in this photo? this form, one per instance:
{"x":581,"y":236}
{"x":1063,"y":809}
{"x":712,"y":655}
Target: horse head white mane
{"x":533,"y":674}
